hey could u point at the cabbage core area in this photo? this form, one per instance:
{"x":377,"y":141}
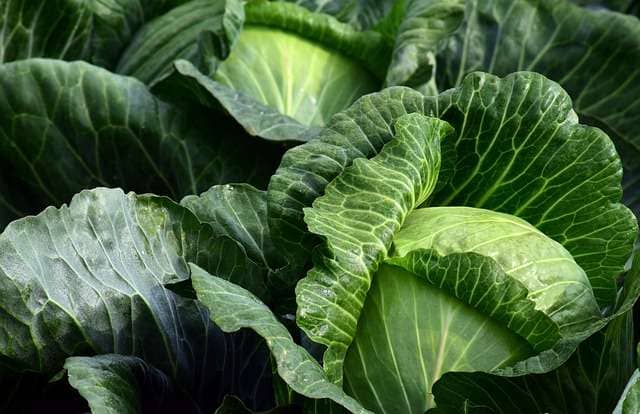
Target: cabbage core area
{"x":411,"y":332}
{"x":300,"y":78}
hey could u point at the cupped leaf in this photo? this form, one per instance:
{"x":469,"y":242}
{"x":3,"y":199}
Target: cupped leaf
{"x":117,"y":384}
{"x":590,"y":53}
{"x":500,"y":297}
{"x":520,"y":150}
{"x":233,"y":308}
{"x":69,"y":126}
{"x":358,"y":216}
{"x":298,"y":77}
{"x":411,"y":332}
{"x":590,"y":382}
{"x":552,"y":278}
{"x":181,"y":34}
{"x":73,"y":29}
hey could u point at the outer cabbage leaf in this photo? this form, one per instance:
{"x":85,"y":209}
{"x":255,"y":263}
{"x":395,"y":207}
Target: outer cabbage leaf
{"x":361,"y":14}
{"x":520,"y":150}
{"x":233,"y":308}
{"x":69,"y":126}
{"x":420,"y":34}
{"x":630,"y":401}
{"x":89,"y":279}
{"x":622,"y":6}
{"x":117,"y":384}
{"x":593,"y":54}
{"x":240,"y":213}
{"x":232,"y":405}
{"x":200,"y":31}
{"x":73,"y":29}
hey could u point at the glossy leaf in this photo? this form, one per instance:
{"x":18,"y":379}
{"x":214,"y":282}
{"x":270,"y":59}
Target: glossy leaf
{"x":89,"y":279}
{"x":590,"y":382}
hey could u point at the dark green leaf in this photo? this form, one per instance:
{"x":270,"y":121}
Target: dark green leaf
{"x":176,"y":35}
{"x":424,"y":27}
{"x":592,"y":54}
{"x":116,"y":384}
{"x":88,"y":279}
{"x":69,"y":126}
{"x":95,"y":31}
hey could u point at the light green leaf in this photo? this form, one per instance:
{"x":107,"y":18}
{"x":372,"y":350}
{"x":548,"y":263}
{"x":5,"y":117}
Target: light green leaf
{"x":553,"y":280}
{"x":590,"y":382}
{"x":358,"y":216}
{"x":411,"y":332}
{"x":294,"y":75}
{"x":69,"y":126}
{"x":186,"y":82}
{"x":500,"y":297}
{"x":116,"y":384}
{"x":233,"y":308}
{"x":592,"y":54}
{"x":176,"y":35}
